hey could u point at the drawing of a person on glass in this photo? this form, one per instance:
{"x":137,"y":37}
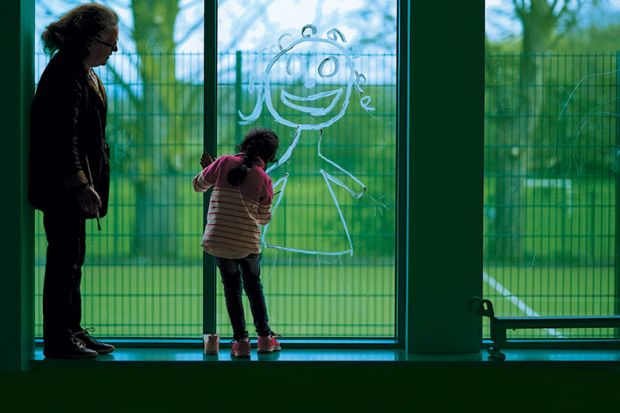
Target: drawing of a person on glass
{"x":307,"y":86}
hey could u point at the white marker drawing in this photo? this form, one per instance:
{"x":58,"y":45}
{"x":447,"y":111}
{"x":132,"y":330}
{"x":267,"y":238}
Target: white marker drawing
{"x":332,"y":69}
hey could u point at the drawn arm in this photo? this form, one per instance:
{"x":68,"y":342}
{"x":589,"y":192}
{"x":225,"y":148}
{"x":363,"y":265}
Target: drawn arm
{"x":353,"y":186}
{"x":352,"y":181}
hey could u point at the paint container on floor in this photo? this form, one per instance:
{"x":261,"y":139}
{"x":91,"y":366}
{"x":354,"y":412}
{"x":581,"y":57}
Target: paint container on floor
{"x":211,"y":344}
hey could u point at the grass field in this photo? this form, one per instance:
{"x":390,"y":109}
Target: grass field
{"x":324,"y":301}
{"x":552,"y":291}
{"x":303,"y":301}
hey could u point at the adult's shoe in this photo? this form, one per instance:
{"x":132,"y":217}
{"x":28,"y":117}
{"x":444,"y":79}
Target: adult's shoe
{"x":92,"y":343}
{"x":72,"y":350}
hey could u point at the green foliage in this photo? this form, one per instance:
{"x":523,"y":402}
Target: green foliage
{"x":575,"y":139}
{"x":564,"y":226}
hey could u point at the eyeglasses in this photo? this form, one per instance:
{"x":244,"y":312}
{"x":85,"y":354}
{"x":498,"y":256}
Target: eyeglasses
{"x":112,"y":46}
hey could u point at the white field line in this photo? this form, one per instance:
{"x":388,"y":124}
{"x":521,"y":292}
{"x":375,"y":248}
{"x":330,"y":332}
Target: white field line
{"x":527,"y":310}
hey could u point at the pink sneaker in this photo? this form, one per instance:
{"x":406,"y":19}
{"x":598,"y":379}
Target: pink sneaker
{"x":241,"y":348}
{"x":268,"y":344}
{"x":212,"y":344}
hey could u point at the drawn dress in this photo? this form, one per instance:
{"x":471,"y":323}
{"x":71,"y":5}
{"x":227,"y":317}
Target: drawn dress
{"x":307,"y":215}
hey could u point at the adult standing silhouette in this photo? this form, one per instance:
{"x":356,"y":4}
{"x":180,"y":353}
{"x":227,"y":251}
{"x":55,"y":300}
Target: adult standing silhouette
{"x":69,"y":167}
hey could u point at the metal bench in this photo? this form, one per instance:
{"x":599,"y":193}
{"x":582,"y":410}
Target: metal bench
{"x":499,"y":325}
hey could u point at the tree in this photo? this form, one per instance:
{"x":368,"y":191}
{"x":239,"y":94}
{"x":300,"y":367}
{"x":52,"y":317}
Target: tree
{"x":160,"y":136}
{"x":155,"y":170}
{"x":516,"y":157}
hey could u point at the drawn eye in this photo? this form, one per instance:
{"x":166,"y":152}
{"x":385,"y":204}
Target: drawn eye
{"x":293,"y":65}
{"x":329,"y":66}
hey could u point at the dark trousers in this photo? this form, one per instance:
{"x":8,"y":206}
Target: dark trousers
{"x":62,"y":302}
{"x":233,"y":271}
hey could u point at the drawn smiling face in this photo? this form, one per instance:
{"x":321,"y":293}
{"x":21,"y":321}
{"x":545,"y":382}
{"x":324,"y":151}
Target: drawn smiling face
{"x":309,"y":83}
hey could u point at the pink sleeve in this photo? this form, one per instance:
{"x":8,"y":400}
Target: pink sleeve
{"x":264,"y":206}
{"x":205,"y":179}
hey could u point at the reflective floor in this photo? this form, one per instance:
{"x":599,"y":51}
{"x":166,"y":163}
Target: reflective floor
{"x":344,"y":355}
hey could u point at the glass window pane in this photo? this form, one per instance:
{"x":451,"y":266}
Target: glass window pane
{"x":322,"y":75}
{"x":143,"y":271}
{"x":551,"y":162}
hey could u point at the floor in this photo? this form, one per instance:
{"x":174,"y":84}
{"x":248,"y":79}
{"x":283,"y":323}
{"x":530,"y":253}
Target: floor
{"x":323,"y":380}
{"x":344,"y":355}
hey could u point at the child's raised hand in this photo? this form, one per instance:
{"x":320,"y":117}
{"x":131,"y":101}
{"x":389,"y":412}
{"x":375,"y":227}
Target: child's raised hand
{"x":205,"y":160}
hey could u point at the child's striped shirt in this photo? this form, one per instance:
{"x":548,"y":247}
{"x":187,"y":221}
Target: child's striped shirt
{"x":235,"y":212}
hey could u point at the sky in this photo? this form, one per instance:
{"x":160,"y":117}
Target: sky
{"x":500,"y":25}
{"x":497,"y":25}
{"x":282,"y":16}
{"x":289,"y":16}
{"x":258,"y":32}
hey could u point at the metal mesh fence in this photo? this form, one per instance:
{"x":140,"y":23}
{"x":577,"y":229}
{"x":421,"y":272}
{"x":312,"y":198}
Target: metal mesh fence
{"x":551,"y":173}
{"x":551,"y":163}
{"x":314,"y":294}
{"x":143,"y":275}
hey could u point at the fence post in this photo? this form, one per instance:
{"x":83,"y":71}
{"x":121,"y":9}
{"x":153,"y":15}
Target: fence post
{"x":563,"y":216}
{"x":617,"y":206}
{"x":238,"y":91}
{"x":617,"y":217}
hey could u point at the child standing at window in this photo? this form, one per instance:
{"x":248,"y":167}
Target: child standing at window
{"x":240,"y":203}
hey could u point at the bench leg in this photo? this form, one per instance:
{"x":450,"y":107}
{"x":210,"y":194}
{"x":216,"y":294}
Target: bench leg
{"x":498,"y":335}
{"x":496,"y":355}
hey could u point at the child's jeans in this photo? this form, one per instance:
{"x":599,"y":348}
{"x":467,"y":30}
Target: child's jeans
{"x":248,"y":269}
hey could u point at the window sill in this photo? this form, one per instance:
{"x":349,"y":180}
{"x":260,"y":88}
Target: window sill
{"x":298,"y":355}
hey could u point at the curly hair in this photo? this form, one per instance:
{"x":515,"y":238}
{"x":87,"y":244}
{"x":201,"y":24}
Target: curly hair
{"x":77,"y":28}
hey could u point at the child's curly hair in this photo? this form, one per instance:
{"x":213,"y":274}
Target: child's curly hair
{"x":258,"y":142}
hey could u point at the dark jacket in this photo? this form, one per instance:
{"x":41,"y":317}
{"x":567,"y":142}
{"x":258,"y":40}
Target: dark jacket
{"x":68,"y":119}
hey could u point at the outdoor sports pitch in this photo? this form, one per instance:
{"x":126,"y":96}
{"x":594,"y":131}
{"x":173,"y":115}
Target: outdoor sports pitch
{"x":323,"y":301}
